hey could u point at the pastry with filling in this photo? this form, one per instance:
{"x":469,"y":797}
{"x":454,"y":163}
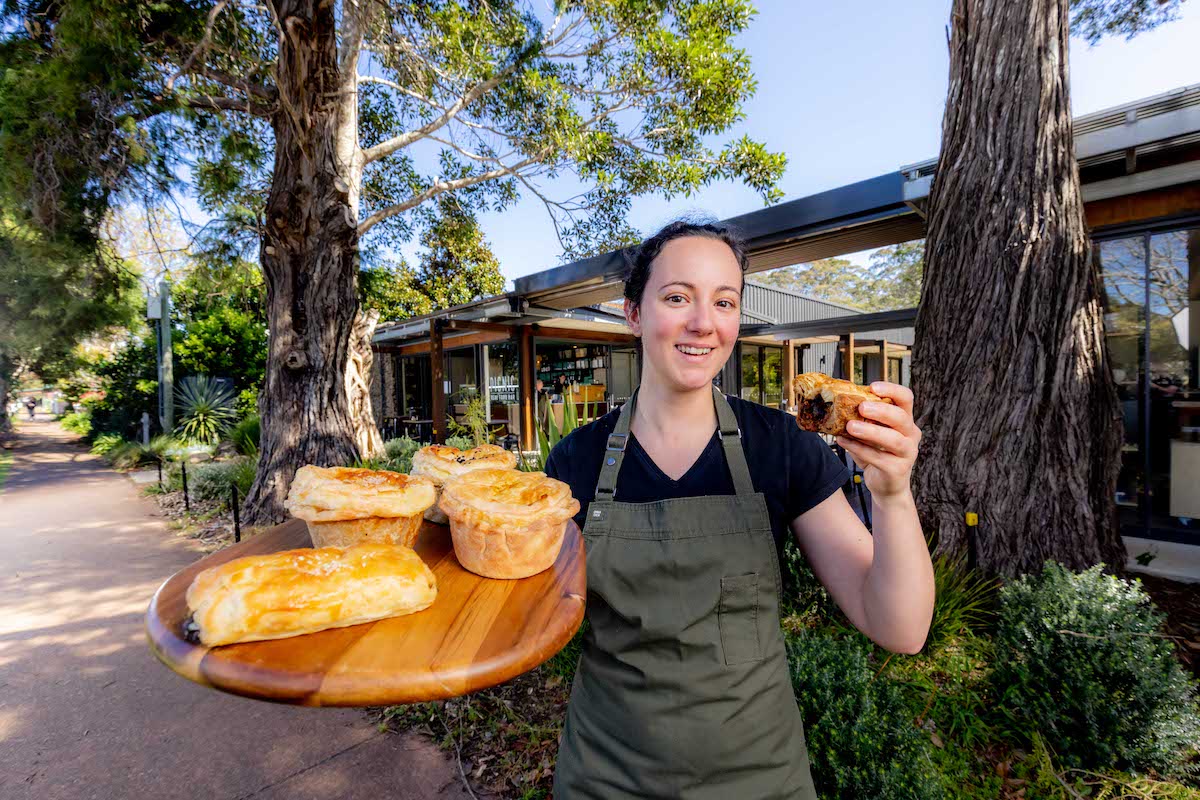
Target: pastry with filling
{"x":303,"y":591}
{"x":344,"y":506}
{"x":825,"y":404}
{"x":440,"y":463}
{"x":506,"y":523}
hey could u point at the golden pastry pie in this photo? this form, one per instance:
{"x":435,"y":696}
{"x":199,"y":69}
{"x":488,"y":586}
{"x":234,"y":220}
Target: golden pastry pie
{"x":345,"y":506}
{"x":826,"y":404}
{"x":440,"y":462}
{"x":506,"y":523}
{"x":302,"y":591}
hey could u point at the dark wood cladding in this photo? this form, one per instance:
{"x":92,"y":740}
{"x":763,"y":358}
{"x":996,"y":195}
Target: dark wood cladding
{"x":1144,"y":206}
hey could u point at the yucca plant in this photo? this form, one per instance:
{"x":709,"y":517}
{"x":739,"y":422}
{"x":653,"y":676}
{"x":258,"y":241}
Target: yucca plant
{"x":552,"y":433}
{"x":206,"y":409}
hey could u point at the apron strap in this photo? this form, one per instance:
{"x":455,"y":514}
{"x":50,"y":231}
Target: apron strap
{"x":731,"y":443}
{"x":727,"y":429}
{"x":614,"y":452}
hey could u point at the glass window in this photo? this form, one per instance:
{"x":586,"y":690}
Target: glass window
{"x":502,"y":380}
{"x":751,"y":373}
{"x":460,"y":371}
{"x":1174,"y":398}
{"x":772,"y":374}
{"x":1123,"y":266}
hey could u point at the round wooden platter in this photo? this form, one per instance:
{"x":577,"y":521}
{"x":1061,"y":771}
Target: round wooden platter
{"x":478,"y":633}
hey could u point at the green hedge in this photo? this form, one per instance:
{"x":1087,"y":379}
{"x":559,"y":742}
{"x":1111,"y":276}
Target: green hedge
{"x":861,"y":738}
{"x":1082,"y":659}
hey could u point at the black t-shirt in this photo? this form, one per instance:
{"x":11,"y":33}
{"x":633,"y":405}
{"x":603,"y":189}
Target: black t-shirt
{"x":795,"y":469}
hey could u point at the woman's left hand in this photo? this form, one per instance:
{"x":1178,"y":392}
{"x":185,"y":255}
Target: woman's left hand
{"x":885,"y":443}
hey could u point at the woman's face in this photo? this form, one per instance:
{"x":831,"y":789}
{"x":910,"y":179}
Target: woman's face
{"x":689,"y":315}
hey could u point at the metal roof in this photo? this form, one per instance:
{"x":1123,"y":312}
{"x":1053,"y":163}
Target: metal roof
{"x":873,"y":213}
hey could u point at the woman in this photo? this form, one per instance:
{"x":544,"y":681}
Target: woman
{"x":682,"y":690}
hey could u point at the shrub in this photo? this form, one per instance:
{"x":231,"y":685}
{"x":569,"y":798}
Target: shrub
{"x":404,"y":447}
{"x":803,"y":594}
{"x":247,"y":435}
{"x":461,"y":442}
{"x":105,"y":443}
{"x":212,"y":482}
{"x":861,"y":738}
{"x":400,"y":452}
{"x":1081,"y":658}
{"x":246,"y":404}
{"x":78,"y":422}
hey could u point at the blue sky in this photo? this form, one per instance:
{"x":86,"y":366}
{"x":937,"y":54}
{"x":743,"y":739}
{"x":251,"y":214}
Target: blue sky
{"x":849,"y":91}
{"x":852,"y":90}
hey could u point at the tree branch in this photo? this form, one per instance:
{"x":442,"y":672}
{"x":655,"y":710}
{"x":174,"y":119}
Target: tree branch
{"x":228,"y":104}
{"x":203,"y":44}
{"x":259,"y":90}
{"x":439,"y":187}
{"x":384,"y":149}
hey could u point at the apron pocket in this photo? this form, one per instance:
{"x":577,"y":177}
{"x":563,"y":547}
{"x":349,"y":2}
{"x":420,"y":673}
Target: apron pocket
{"x":738,"y":619}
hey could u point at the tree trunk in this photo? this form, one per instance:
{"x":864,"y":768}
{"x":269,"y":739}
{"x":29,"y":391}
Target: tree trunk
{"x":5,"y":386}
{"x":309,"y":256}
{"x":1011,"y":375}
{"x":358,"y":385}
{"x":356,"y":20}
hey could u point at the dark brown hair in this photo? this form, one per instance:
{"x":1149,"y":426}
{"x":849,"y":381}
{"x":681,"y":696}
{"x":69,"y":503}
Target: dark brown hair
{"x":641,"y":260}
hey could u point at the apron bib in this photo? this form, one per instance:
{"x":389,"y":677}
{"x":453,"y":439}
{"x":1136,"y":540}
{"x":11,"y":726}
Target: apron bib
{"x":683,"y":688}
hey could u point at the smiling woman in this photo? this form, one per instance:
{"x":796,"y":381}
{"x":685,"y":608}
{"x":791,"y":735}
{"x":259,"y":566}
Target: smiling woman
{"x":682,"y":688}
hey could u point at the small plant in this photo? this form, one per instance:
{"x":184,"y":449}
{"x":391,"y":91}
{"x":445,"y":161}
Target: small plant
{"x":1081,"y":658}
{"x":552,"y":433}
{"x":214,"y":482}
{"x":105,"y":443}
{"x":78,"y":422}
{"x":246,"y":435}
{"x":400,"y":452}
{"x":964,"y":602}
{"x":476,"y":424}
{"x":206,"y":409}
{"x":1144,"y":558}
{"x":461,"y":442}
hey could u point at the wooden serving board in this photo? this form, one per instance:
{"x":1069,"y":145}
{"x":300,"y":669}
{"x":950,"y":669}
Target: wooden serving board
{"x":478,"y":633}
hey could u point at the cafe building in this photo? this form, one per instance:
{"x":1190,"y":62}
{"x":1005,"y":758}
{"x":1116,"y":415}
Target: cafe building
{"x":563,"y":327}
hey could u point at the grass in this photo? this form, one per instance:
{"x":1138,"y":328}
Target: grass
{"x":5,"y":465}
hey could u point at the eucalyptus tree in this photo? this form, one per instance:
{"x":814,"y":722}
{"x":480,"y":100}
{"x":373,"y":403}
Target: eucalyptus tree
{"x":313,"y":125}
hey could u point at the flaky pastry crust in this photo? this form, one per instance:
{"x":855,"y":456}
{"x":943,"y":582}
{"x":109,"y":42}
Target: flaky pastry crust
{"x":506,"y":523}
{"x":302,"y":591}
{"x":440,"y":463}
{"x":382,"y":530}
{"x":825,"y":404}
{"x":328,"y":494}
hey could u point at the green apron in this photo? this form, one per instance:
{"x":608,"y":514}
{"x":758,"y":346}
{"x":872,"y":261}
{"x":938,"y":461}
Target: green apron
{"x":682,"y":690}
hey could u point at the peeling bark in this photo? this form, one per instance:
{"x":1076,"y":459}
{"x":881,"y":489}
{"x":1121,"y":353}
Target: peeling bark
{"x":1011,"y":375}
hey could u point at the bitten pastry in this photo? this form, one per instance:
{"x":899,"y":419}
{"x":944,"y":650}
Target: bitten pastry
{"x":826,"y":404}
{"x":302,"y":591}
{"x":506,"y":523}
{"x":440,"y":462}
{"x":345,"y":506}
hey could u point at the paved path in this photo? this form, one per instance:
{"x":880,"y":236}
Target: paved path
{"x":85,"y":709}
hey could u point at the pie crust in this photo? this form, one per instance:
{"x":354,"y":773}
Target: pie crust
{"x":345,"y":506}
{"x":507,"y":523}
{"x":293,"y":592}
{"x":440,"y":463}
